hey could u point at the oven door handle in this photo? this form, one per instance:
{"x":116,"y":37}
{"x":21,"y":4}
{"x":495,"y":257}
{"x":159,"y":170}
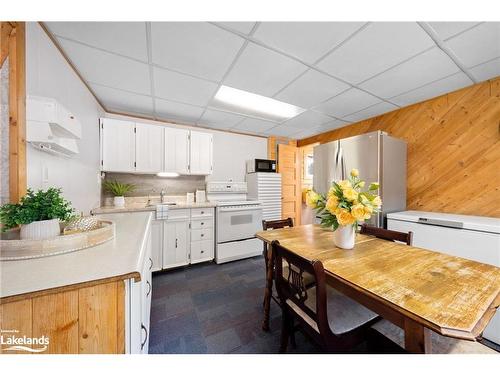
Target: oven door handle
{"x":222,"y":209}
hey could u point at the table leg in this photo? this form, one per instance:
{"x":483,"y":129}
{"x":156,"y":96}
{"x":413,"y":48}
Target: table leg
{"x":269,"y":288}
{"x":417,"y":337}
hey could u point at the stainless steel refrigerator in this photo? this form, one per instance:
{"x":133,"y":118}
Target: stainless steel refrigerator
{"x":377,"y":156}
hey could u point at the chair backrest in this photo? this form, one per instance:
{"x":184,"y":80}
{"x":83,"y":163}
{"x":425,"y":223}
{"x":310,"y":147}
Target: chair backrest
{"x":291,"y":286}
{"x":387,"y":234}
{"x":277,"y":224}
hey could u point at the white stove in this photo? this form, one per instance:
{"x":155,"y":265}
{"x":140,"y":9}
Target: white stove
{"x":237,"y":221}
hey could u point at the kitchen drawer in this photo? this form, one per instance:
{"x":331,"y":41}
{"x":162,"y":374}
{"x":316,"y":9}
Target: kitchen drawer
{"x":202,"y":223}
{"x":178,"y":214}
{"x":202,"y":251}
{"x":201,"y":234}
{"x":202,"y":212}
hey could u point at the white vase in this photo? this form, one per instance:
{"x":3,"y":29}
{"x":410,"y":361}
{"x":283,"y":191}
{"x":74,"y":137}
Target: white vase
{"x":119,"y":201}
{"x":40,"y":230}
{"x":344,"y":236}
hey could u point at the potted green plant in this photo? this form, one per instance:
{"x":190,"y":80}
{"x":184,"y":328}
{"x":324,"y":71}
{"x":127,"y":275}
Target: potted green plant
{"x":38,"y":214}
{"x":118,"y":189}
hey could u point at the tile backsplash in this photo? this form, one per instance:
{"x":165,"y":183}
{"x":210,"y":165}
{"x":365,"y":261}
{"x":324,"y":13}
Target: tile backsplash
{"x":152,"y":184}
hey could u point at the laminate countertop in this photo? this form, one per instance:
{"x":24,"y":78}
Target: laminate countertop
{"x":120,"y":258}
{"x":142,"y":208}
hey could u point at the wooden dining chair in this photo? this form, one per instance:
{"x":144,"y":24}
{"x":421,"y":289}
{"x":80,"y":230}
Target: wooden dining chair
{"x":331,"y":319}
{"x":386,"y":234}
{"x":268,"y":259}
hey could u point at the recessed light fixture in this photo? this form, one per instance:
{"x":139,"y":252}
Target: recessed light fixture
{"x":167,"y":174}
{"x":247,"y":103}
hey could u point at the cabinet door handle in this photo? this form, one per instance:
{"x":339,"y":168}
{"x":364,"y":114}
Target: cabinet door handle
{"x":151,"y":264}
{"x":202,"y":212}
{"x":202,"y":251}
{"x":149,"y":288}
{"x":202,"y":235}
{"x":202,"y":223}
{"x":145,"y":338}
{"x":176,"y":243}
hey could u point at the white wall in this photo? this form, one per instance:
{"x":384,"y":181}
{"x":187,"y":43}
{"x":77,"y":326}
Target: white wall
{"x":48,"y":74}
{"x":230,"y":150}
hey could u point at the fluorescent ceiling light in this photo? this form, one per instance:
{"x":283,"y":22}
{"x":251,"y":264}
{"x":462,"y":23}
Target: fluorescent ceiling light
{"x":167,"y":174}
{"x":247,"y":103}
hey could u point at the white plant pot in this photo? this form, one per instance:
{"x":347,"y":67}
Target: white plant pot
{"x":344,"y":237}
{"x":119,"y":201}
{"x":40,"y":230}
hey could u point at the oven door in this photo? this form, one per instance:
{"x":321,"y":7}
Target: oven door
{"x":238,"y":223}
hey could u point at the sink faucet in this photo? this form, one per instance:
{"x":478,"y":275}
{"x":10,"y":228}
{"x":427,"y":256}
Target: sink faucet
{"x":162,"y":195}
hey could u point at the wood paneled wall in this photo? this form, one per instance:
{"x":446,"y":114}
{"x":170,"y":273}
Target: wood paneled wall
{"x":453,"y":149}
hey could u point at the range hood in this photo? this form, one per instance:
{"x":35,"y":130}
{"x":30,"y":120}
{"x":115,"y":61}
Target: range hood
{"x":41,"y":135}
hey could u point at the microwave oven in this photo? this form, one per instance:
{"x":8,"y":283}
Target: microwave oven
{"x":261,"y":165}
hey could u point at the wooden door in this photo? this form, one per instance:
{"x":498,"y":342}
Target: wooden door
{"x":176,"y":150}
{"x":289,"y":167}
{"x":200,"y":153}
{"x":117,"y":145}
{"x":148,"y":148}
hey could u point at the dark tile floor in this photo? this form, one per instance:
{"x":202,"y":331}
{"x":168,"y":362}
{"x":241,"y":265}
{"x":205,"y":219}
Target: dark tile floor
{"x":211,"y":308}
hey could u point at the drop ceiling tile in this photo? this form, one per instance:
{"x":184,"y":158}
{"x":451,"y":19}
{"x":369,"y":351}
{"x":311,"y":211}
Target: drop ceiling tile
{"x":308,"y":133}
{"x":308,"y":119}
{"x":168,"y":110}
{"x":478,"y":45}
{"x":446,"y":30}
{"x":335,"y":124}
{"x":119,"y":100}
{"x":487,"y":70}
{"x":282,"y":131}
{"x":307,"y":41}
{"x":436,"y":88}
{"x":420,"y":70}
{"x":262,"y":71}
{"x":310,"y":89}
{"x":198,"y":48}
{"x":255,"y":125}
{"x":348,"y":102}
{"x":376,"y":48}
{"x":374,"y":110}
{"x":126,"y":38}
{"x":182,"y":88}
{"x":219,"y":119}
{"x":108,"y":69}
{"x":242,"y":27}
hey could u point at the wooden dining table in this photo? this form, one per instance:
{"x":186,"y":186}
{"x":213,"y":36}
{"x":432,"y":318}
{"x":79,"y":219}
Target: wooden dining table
{"x":416,"y":289}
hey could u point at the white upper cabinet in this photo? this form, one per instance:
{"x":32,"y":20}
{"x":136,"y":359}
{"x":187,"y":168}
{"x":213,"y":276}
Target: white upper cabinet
{"x":117,"y":145}
{"x":201,"y":153}
{"x":148,"y":148}
{"x":176,"y":150}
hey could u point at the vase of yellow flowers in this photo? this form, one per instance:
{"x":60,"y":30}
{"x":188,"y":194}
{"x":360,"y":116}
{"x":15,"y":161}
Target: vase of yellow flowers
{"x":344,"y":206}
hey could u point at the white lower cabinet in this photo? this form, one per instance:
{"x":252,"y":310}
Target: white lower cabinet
{"x":157,"y":245}
{"x":175,"y":243}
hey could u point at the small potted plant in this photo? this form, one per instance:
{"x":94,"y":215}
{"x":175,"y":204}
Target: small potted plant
{"x":118,"y":189}
{"x":344,"y":206}
{"x":38,"y":214}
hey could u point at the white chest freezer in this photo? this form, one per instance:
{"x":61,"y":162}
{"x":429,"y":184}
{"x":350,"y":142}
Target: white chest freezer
{"x":472,"y":237}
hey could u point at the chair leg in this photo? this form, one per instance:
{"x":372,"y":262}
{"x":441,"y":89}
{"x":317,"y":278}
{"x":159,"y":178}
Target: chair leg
{"x":268,"y":291}
{"x":291,"y":329}
{"x":284,"y":331}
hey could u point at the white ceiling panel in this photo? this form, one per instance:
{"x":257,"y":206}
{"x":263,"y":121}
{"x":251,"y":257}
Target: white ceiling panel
{"x":168,"y":110}
{"x":182,"y":88}
{"x":446,"y":30}
{"x":308,"y":133}
{"x":335,"y":124}
{"x":255,"y":125}
{"x":374,"y":110}
{"x":348,"y":102}
{"x":283,"y":131}
{"x":126,"y":38}
{"x":436,"y":88}
{"x":307,"y":41}
{"x":219,"y":119}
{"x":311,"y":89}
{"x":119,"y":100}
{"x":262,"y":71}
{"x":108,"y":69}
{"x":308,"y":119}
{"x":198,"y":48}
{"x":376,"y":48}
{"x":421,"y":70}
{"x":487,"y":70}
{"x":478,"y":45}
{"x":242,"y":27}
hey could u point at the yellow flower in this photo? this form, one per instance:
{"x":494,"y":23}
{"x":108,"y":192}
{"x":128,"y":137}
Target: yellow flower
{"x":344,"y":184}
{"x":377,"y":202}
{"x":344,"y":217}
{"x":361,"y":184}
{"x":358,"y":211}
{"x":368,"y":212}
{"x":312,"y":198}
{"x":330,"y":192}
{"x":332,"y":203}
{"x":354,"y":172}
{"x":350,"y":194}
